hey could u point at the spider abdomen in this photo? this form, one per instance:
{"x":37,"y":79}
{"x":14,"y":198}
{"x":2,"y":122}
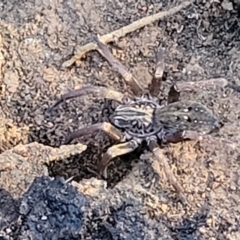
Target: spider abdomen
{"x":187,"y":115}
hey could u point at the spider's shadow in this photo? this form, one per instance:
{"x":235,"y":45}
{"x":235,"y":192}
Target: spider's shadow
{"x":84,"y":165}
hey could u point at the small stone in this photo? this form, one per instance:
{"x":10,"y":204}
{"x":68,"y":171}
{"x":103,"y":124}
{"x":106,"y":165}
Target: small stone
{"x":227,"y":5}
{"x":50,"y":124}
{"x":144,"y":8}
{"x":233,"y":188}
{"x":38,"y":120}
{"x":44,"y":218}
{"x":202,"y":230}
{"x":164,"y":208}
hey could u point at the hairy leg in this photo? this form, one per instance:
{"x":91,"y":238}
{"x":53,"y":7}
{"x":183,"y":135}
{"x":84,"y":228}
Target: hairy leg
{"x":161,"y":158}
{"x":108,"y":128}
{"x":115,"y":151}
{"x":154,"y":88}
{"x":195,"y":136}
{"x":100,"y":91}
{"x":119,"y":67}
{"x":177,"y":88}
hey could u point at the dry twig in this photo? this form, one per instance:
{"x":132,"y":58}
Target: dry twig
{"x":81,"y":51}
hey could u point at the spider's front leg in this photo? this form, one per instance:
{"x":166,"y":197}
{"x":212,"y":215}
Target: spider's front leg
{"x":118,"y":66}
{"x":160,"y":157}
{"x":115,"y":151}
{"x":156,"y":82}
{"x":176,"y":89}
{"x":106,"y":127}
{"x":100,"y":91}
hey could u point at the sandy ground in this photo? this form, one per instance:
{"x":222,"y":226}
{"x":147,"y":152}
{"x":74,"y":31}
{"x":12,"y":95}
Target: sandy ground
{"x":200,"y":42}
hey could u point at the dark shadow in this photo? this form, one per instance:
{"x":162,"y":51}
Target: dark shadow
{"x":9,"y":214}
{"x":84,"y":165}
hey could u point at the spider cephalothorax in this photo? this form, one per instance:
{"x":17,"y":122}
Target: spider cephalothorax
{"x":137,"y":119}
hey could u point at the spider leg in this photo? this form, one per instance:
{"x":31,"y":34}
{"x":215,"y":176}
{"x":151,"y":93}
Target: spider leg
{"x":115,"y":151}
{"x":158,"y":74}
{"x":118,"y":66}
{"x":195,"y":136}
{"x":100,"y":91}
{"x":106,"y":127}
{"x":212,"y":83}
{"x":160,"y":157}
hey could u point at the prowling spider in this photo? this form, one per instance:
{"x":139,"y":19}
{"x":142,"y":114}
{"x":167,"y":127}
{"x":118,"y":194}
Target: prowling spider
{"x":143,"y":119}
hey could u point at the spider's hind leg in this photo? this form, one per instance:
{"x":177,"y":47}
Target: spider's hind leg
{"x":176,"y":89}
{"x":154,"y":88}
{"x":161,"y":158}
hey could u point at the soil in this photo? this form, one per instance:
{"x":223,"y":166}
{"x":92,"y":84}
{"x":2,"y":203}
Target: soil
{"x":200,"y":42}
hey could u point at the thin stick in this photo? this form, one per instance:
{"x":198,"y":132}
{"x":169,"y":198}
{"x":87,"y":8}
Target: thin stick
{"x":81,"y":51}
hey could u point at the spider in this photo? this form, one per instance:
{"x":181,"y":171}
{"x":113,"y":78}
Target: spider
{"x":142,"y":118}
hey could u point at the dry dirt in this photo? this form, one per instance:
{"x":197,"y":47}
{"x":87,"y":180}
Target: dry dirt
{"x":200,"y":42}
